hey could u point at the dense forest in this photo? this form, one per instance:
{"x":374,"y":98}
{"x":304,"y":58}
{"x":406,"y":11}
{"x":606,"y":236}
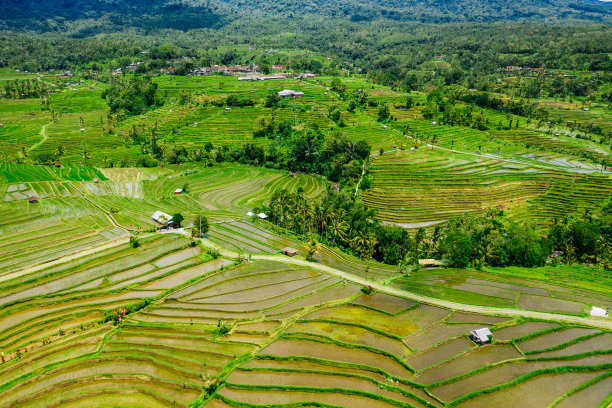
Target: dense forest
{"x":89,"y":17}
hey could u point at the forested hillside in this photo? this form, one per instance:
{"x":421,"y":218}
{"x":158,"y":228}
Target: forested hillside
{"x":89,"y":17}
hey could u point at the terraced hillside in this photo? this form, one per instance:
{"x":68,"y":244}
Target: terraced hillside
{"x":167,"y":324}
{"x":426,"y":187}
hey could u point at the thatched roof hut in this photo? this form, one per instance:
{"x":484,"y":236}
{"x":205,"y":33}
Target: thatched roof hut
{"x":290,"y":251}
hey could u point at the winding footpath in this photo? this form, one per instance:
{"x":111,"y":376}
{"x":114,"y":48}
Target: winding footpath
{"x":43,"y":133}
{"x":602,"y":323}
{"x":108,"y":215}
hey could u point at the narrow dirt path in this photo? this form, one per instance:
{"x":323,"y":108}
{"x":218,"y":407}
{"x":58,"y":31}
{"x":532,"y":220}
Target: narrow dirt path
{"x":43,"y":133}
{"x":363,"y":172}
{"x":593,"y":322}
{"x":108,"y":215}
{"x":70,"y":257}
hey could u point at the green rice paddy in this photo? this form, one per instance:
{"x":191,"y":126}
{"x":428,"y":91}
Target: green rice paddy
{"x":198,"y":327}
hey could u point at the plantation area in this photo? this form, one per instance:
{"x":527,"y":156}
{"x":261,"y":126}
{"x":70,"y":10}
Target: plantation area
{"x":166,"y":324}
{"x":425,"y":168}
{"x":174,"y":236}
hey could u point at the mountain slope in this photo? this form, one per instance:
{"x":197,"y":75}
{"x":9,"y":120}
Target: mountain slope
{"x":88,"y":17}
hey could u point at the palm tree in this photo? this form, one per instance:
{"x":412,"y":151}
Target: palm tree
{"x":419,"y":237}
{"x":86,"y":156}
{"x":435,"y":240}
{"x":339,"y":227}
{"x":322,"y":218}
{"x":304,"y":212}
{"x":363,"y":243}
{"x":313,"y":247}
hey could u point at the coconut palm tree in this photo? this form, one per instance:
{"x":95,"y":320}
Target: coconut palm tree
{"x":339,"y":227}
{"x":363,"y":243}
{"x":303,"y":212}
{"x":313,"y":248}
{"x":86,"y":156}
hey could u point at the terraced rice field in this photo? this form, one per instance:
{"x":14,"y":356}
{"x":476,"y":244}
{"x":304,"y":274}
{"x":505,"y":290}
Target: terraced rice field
{"x":244,"y":236}
{"x":290,"y":333}
{"x":427,"y":187}
{"x":507,"y":291}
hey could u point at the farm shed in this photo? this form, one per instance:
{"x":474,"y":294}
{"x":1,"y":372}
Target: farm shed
{"x":430,"y":263}
{"x":289,"y":92}
{"x":162,"y":218}
{"x":178,"y":191}
{"x":262,"y":216}
{"x":481,"y":336}
{"x":58,"y":165}
{"x":33,"y":200}
{"x":250,"y":214}
{"x":290,"y":251}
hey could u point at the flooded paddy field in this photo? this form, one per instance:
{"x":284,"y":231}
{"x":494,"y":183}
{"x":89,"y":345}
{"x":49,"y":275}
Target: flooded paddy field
{"x":167,"y":326}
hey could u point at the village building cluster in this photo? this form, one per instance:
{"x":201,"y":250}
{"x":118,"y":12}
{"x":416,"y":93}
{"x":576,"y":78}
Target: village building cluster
{"x":532,"y":72}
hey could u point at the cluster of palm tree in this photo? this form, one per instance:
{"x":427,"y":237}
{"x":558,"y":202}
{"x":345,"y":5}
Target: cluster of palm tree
{"x":336,"y":219}
{"x":27,"y":88}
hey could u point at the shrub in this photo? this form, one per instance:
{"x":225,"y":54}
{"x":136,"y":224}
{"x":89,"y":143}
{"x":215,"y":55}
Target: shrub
{"x":134,"y":243}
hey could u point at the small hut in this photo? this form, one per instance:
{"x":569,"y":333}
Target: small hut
{"x":481,"y":336}
{"x":33,"y":199}
{"x":430,"y":263}
{"x":58,"y":165}
{"x":96,"y":180}
{"x":178,"y":191}
{"x":263,"y":216}
{"x":290,"y":251}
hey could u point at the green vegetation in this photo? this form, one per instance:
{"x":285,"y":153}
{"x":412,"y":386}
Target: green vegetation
{"x":408,"y":173}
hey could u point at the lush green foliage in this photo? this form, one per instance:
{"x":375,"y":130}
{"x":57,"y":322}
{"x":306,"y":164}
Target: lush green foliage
{"x":133,"y":96}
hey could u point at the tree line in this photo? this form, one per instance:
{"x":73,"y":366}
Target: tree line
{"x":338,"y":219}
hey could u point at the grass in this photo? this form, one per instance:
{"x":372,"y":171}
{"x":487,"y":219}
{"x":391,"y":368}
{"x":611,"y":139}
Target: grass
{"x":261,"y":333}
{"x":304,"y":329}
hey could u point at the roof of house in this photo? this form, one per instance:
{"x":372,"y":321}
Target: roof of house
{"x":482,"y":335}
{"x":161,"y":217}
{"x":178,"y":190}
{"x":290,"y":92}
{"x":289,"y":250}
{"x":262,"y":216}
{"x":430,"y":262}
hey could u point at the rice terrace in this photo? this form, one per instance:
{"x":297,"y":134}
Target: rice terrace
{"x":249,"y":204}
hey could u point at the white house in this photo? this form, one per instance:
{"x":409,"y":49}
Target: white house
{"x":481,"y":336}
{"x":289,"y":92}
{"x":162,"y":218}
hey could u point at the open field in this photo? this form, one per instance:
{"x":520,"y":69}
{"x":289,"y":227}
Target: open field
{"x":569,"y":294}
{"x":293,"y":334}
{"x":532,"y":171}
{"x":88,"y":320}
